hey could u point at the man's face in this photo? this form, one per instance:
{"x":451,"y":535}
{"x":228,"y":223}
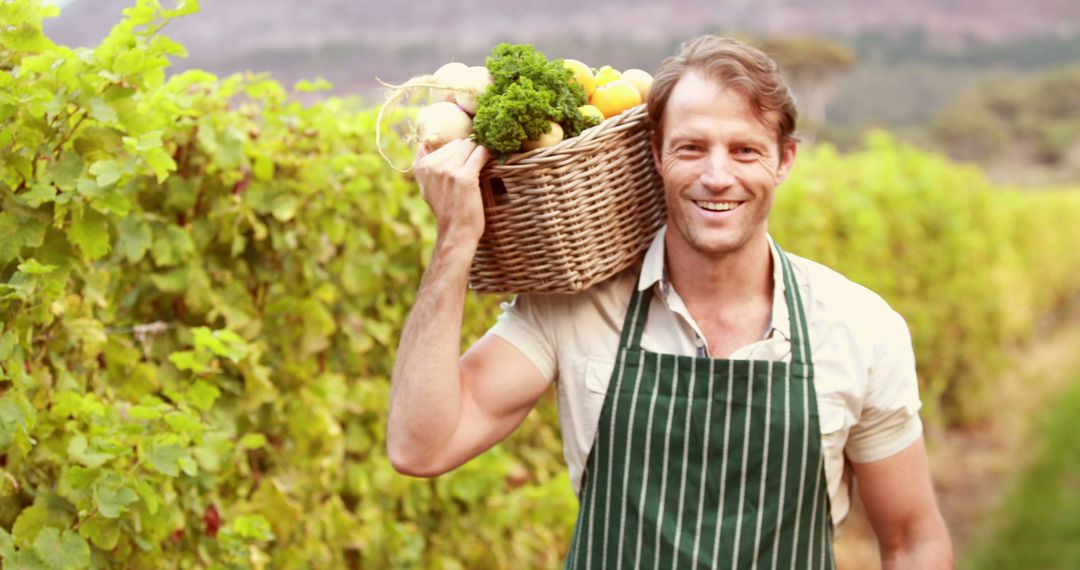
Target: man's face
{"x":720,"y":164}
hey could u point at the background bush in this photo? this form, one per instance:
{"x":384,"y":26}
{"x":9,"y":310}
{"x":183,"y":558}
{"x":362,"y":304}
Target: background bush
{"x":202,"y":282}
{"x":971,"y":267}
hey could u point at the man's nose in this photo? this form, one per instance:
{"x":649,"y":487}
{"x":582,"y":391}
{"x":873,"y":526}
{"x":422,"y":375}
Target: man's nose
{"x":718,"y":171}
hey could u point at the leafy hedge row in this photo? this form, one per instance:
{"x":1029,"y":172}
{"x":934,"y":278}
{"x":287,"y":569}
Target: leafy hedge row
{"x":202,"y":282}
{"x":972,"y":267}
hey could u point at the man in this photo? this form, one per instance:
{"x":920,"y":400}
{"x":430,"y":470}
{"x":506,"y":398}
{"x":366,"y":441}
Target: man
{"x":716,"y":398}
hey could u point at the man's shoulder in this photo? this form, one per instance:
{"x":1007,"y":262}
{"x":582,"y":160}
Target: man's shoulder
{"x":833,"y":295}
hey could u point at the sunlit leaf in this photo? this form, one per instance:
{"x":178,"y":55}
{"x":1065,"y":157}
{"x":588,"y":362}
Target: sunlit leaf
{"x":62,"y":551}
{"x":90,"y":232}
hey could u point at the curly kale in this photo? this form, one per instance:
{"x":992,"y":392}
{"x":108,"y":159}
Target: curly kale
{"x":526,"y":92}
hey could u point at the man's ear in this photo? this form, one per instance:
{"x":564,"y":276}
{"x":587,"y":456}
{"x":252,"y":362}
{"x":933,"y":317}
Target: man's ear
{"x":655,"y":155}
{"x":787,"y":159}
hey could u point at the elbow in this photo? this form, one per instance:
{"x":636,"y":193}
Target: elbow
{"x":926,"y":546}
{"x":412,"y":468}
{"x":407,"y":461}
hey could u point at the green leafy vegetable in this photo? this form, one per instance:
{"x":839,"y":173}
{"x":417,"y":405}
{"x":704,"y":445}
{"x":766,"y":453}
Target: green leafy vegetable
{"x":527,"y":91}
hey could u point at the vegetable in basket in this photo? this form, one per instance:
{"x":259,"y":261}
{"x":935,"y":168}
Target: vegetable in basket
{"x":519,"y":101}
{"x":527,"y":93}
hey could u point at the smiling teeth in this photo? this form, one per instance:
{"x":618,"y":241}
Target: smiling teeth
{"x":718,"y":206}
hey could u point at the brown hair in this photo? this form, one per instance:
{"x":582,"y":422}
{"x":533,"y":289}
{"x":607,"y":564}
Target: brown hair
{"x":736,"y":65}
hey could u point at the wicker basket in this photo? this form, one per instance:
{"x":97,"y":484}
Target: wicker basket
{"x":562,"y":218}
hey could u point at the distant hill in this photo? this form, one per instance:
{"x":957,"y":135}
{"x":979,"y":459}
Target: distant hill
{"x":250,"y":25}
{"x":350,"y":42}
{"x":228,"y":32}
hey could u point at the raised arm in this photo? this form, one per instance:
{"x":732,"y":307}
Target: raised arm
{"x":446,"y":408}
{"x":899,"y":499}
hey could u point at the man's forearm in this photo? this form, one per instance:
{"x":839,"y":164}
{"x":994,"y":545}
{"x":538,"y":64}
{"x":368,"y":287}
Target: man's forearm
{"x":425,"y":397}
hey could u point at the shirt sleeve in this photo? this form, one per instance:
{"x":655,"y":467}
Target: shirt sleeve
{"x":890,"y":415}
{"x":525,"y":323}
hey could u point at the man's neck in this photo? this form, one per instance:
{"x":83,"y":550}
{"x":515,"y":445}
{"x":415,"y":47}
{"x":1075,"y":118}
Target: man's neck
{"x":742,"y":276}
{"x":729,"y":296}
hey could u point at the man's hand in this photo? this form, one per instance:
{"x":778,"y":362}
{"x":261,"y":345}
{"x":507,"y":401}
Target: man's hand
{"x":899,"y":499}
{"x":449,"y":180}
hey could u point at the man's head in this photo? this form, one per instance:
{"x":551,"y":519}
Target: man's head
{"x":723,"y":140}
{"x":733,"y":64}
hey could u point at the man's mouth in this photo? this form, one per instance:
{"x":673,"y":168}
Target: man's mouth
{"x":717,"y":206}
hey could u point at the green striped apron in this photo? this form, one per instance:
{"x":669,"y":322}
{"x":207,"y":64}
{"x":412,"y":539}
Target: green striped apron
{"x":706,"y":463}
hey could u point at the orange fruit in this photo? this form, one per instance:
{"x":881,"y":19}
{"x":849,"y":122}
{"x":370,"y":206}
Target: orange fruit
{"x":591,"y":111}
{"x":582,"y":75}
{"x":615,"y":97}
{"x":607,"y":74}
{"x":640,"y":79}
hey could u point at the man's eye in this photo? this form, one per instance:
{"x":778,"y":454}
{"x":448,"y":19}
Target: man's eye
{"x":689,"y":148}
{"x":747,"y":151}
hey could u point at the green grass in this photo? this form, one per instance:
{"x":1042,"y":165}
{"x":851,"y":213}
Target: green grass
{"x":1038,"y":524}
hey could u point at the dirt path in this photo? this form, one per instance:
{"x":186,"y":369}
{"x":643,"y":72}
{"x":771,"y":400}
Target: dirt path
{"x":973,"y":467}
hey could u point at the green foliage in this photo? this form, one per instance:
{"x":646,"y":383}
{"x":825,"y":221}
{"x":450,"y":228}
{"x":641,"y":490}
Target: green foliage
{"x":202,"y":282}
{"x":1037,"y":522}
{"x":914,"y":45}
{"x":969,"y":265}
{"x":201,"y":285}
{"x":527,"y":91}
{"x":808,"y":56}
{"x":972,"y":133}
{"x":1037,"y":118}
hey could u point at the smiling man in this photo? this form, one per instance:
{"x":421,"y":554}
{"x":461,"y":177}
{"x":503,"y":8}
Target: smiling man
{"x":718,"y":398}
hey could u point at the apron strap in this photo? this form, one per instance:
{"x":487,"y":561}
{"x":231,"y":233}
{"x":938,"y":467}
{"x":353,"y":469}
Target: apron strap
{"x":800,"y":334}
{"x":634,"y":322}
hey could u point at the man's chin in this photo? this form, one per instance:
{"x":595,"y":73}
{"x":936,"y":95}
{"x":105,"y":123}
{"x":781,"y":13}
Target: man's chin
{"x":715,"y":250}
{"x":714,"y":244}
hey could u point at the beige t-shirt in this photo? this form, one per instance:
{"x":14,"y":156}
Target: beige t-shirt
{"x":864,"y":365}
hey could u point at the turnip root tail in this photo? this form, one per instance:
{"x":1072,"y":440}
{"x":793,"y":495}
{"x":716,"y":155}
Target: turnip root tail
{"x":395,"y":94}
{"x":465,"y":95}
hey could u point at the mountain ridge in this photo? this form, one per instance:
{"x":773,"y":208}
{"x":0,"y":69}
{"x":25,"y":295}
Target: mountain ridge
{"x":243,"y":26}
{"x":351,"y":42}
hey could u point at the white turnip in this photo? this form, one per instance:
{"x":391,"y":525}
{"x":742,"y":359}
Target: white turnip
{"x":442,"y":122}
{"x":451,"y":75}
{"x":553,"y":137}
{"x":472,"y":84}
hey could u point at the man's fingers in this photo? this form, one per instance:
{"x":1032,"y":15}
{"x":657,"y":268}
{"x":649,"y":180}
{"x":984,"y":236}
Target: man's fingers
{"x":428,"y":157}
{"x":421,"y":152}
{"x":478,"y":157}
{"x":458,"y":160}
{"x":459,"y":150}
{"x":459,"y":155}
{"x":451,"y":155}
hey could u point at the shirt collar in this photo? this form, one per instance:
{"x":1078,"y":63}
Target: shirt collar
{"x":654,"y":273}
{"x":653,"y":268}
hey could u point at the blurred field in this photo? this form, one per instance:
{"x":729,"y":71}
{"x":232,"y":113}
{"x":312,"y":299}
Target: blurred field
{"x":1008,"y":486}
{"x":1039,"y":523}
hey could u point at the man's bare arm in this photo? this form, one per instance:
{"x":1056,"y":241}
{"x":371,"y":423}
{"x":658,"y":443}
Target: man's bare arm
{"x":899,"y":499}
{"x":446,"y":408}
